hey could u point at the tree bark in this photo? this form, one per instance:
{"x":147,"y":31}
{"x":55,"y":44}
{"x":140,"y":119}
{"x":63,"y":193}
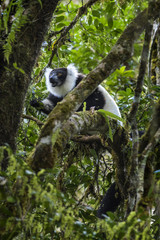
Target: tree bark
{"x":25,"y":50}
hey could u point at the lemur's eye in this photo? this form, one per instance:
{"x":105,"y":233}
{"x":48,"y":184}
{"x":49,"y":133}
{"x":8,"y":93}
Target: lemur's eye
{"x":59,"y":74}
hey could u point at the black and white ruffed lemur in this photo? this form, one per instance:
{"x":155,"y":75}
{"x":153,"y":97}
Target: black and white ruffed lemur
{"x":61,"y":81}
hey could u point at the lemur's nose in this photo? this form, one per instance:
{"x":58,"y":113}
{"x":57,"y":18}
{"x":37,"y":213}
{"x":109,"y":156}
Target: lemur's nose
{"x":53,"y":80}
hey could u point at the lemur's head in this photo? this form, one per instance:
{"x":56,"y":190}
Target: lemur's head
{"x":57,"y":76}
{"x":60,"y":81}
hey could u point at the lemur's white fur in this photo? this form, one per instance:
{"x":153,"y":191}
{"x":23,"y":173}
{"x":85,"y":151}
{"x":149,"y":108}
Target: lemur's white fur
{"x":69,"y":84}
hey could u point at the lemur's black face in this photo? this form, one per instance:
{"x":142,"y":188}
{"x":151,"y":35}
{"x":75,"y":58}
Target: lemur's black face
{"x":57,"y":76}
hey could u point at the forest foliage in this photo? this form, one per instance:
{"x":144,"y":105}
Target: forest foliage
{"x":61,"y":202}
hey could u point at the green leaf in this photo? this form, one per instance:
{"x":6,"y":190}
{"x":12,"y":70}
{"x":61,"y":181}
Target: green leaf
{"x":60,"y":25}
{"x":95,"y":13}
{"x":111,"y":8}
{"x":111,"y":115}
{"x":89,"y":20}
{"x":122,"y":69}
{"x":84,"y":106}
{"x":129,"y":73}
{"x":59,"y":19}
{"x":10,"y":199}
{"x":60,"y":12}
{"x":110,"y":21}
{"x":100,"y":27}
{"x":96,"y":23}
{"x":19,"y":20}
{"x":128,"y":91}
{"x":19,"y":69}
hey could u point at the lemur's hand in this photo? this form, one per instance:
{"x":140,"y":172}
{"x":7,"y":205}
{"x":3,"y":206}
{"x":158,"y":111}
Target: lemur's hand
{"x":35,"y":103}
{"x":41,"y":106}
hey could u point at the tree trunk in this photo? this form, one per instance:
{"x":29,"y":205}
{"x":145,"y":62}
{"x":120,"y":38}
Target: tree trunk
{"x":25,"y":50}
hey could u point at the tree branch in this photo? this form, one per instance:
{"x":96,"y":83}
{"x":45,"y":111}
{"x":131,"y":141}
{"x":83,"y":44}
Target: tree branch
{"x":39,"y":123}
{"x":79,"y":123}
{"x":134,"y":173}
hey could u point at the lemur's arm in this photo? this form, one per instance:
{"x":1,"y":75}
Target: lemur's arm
{"x":47,"y":104}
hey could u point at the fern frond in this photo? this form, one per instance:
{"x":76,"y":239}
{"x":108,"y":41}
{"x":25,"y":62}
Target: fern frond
{"x":18,"y":23}
{"x":6,"y":15}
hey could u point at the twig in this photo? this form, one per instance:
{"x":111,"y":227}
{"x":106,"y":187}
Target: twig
{"x":82,"y":10}
{"x":87,"y":139}
{"x":53,"y":33}
{"x":39,"y":123}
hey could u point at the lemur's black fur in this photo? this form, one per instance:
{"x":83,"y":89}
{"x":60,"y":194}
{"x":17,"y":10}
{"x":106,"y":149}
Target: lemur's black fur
{"x":110,"y":201}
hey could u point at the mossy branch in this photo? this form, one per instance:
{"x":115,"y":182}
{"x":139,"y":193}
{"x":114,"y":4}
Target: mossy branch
{"x":52,"y":147}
